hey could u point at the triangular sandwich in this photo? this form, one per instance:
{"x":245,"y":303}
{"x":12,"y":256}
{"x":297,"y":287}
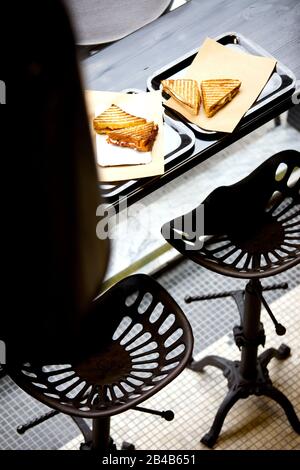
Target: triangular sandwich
{"x":115,"y":118}
{"x":216,"y":93}
{"x":185,"y":91}
{"x":138,"y":137}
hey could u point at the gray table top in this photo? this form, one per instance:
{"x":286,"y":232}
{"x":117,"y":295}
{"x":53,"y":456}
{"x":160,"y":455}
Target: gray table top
{"x":127,"y":63}
{"x":275,"y":25}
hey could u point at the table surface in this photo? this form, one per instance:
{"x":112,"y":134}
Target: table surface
{"x":127,"y":63}
{"x":274,"y":25}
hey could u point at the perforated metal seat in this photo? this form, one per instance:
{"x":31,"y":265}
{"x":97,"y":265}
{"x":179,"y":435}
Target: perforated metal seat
{"x":253,"y":225}
{"x":251,"y":230}
{"x":134,"y":342}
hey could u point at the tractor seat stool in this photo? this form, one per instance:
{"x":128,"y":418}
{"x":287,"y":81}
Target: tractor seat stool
{"x":251,"y":231}
{"x":138,"y":340}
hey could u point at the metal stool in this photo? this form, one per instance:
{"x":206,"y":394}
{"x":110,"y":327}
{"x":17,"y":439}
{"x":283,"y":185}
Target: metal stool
{"x":252,"y":231}
{"x":135,"y":341}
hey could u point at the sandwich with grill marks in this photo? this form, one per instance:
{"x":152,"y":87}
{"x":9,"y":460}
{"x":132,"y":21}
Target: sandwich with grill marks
{"x":185,"y":91}
{"x":216,"y":93}
{"x":139,"y":137}
{"x":115,"y":118}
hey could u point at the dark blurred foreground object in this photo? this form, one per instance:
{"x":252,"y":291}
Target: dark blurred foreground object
{"x":102,"y":21}
{"x":88,"y":359}
{"x":56,"y":263}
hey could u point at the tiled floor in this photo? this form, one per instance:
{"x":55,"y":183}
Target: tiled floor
{"x":254,"y":424}
{"x":193,"y":397}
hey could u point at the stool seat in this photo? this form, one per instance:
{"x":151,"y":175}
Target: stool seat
{"x":251,"y":228}
{"x":136,"y":340}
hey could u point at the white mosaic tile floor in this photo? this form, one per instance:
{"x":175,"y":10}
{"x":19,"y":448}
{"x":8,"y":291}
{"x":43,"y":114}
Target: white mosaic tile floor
{"x":188,"y":190}
{"x":253,"y":424}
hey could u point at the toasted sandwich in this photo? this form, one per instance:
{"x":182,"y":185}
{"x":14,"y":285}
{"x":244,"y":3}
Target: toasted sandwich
{"x":216,"y":93}
{"x":115,"y":118}
{"x":185,"y":91}
{"x":137,"y":137}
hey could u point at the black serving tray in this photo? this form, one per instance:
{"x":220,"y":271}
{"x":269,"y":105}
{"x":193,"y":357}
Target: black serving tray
{"x":179,"y":141}
{"x":281,"y":83}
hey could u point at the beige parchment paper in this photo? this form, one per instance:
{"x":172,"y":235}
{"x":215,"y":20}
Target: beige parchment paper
{"x":147,"y":105}
{"x":217,"y":61}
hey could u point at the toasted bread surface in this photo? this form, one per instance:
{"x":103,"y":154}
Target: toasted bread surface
{"x":185,"y":91}
{"x":139,"y":137}
{"x":217,"y":93}
{"x":115,"y":118}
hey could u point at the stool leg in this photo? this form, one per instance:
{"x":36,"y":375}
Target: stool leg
{"x":84,"y":428}
{"x":215,"y":361}
{"x":210,"y":438}
{"x":276,"y":395}
{"x":277,"y":121}
{"x":100,"y":434}
{"x":251,"y":326}
{"x":281,"y":353}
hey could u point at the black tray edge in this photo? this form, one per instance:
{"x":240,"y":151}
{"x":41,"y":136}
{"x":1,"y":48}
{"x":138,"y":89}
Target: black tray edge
{"x":118,"y":189}
{"x":258,"y":49}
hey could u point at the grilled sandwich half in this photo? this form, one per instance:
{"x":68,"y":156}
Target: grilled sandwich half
{"x":137,"y":137}
{"x":185,"y":91}
{"x":115,"y":118}
{"x":216,"y":93}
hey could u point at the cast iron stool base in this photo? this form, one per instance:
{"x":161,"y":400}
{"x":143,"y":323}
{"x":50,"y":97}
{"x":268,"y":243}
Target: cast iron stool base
{"x":98,"y":438}
{"x":239,"y":388}
{"x":249,"y":376}
{"x":111,"y":447}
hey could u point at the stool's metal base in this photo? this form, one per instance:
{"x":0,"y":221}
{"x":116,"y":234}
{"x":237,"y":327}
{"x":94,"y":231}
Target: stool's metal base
{"x":96,"y":439}
{"x":250,"y":375}
{"x":239,"y":387}
{"x":111,"y":448}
